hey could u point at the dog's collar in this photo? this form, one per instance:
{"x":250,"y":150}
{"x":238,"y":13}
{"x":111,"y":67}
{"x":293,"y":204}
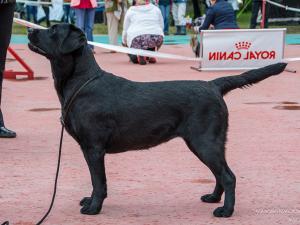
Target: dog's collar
{"x":66,"y":108}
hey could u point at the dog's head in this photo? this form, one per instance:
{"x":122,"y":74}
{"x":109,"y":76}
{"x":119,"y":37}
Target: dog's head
{"x":57,"y":41}
{"x":62,"y":44}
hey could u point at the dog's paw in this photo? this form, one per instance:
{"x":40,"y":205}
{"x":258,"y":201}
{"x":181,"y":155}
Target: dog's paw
{"x":223,"y":212}
{"x":86,"y":201}
{"x":91,"y":210}
{"x":210,"y":198}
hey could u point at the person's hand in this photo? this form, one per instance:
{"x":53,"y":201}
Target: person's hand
{"x":196,"y":29}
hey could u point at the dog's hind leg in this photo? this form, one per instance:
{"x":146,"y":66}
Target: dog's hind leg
{"x":210,"y":150}
{"x":95,"y":160}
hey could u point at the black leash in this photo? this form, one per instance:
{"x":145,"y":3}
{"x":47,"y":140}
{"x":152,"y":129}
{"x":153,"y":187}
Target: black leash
{"x":56,"y":176}
{"x":62,"y":119}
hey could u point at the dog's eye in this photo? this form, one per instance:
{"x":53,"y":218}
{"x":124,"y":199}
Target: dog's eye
{"x":52,"y":31}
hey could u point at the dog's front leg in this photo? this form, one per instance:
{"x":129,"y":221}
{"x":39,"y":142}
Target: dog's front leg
{"x":95,"y":160}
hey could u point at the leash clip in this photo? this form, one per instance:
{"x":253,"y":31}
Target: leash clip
{"x":62,"y":121}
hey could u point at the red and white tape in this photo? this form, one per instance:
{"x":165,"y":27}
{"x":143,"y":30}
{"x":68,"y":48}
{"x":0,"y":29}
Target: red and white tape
{"x":133,"y":51}
{"x":50,"y":3}
{"x":121,"y":49}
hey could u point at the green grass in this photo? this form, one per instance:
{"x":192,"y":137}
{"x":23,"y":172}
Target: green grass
{"x":243,"y":22}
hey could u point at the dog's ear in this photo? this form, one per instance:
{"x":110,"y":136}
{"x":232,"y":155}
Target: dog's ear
{"x":72,"y":40}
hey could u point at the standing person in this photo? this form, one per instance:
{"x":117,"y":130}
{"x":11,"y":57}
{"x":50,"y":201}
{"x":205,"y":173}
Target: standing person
{"x":6,"y":14}
{"x":31,"y":10}
{"x":256,"y":6}
{"x":112,"y":15}
{"x":143,"y":29}
{"x":164,"y":6}
{"x":178,"y":11}
{"x":85,"y":16}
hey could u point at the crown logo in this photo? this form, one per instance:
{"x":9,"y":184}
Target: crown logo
{"x":243,"y":45}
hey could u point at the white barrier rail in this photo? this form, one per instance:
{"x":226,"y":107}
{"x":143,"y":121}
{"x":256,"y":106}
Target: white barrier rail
{"x":283,"y":6}
{"x":132,"y":50}
{"x":121,"y":49}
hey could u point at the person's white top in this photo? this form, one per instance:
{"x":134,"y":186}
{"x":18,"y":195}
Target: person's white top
{"x":142,"y":19}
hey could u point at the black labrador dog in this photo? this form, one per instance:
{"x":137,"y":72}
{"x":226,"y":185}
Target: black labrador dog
{"x":110,"y":114}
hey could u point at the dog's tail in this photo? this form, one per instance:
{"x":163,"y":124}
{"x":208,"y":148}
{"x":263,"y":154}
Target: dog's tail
{"x":226,"y":84}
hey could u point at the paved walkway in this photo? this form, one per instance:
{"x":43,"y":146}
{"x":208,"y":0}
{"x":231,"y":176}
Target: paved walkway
{"x":162,"y":185}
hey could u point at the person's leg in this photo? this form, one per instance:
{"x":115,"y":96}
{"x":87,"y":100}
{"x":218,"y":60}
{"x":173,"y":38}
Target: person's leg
{"x":167,"y":12}
{"x":154,"y":42}
{"x":163,"y":13}
{"x":112,"y":26}
{"x":28,"y":12}
{"x":267,"y":15}
{"x":34,"y":14}
{"x":79,"y":18}
{"x":181,"y":17}
{"x":89,"y":24}
{"x":46,"y":10}
{"x":72,"y":15}
{"x":66,"y":13}
{"x":114,"y":30}
{"x":197,"y":9}
{"x":175,"y":17}
{"x":139,"y":43}
{"x":254,"y":11}
{"x":6,"y":14}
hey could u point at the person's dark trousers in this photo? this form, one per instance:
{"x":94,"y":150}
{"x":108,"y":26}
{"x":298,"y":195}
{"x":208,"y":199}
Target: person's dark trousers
{"x":31,"y":10}
{"x":256,"y":6}
{"x":47,"y":13}
{"x":197,"y":9}
{"x":6,"y":14}
{"x":68,"y":14}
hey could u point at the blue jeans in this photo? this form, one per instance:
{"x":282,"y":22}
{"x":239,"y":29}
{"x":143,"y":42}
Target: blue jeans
{"x":68,"y":14}
{"x":85,"y":21}
{"x":31,"y":11}
{"x":165,"y":11}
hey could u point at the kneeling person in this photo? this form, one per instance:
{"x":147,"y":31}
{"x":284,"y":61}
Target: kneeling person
{"x":143,"y":29}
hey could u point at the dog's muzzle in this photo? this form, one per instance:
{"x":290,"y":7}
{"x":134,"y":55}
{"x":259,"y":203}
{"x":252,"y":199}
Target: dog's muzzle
{"x":32,"y":38}
{"x":36,"y":49}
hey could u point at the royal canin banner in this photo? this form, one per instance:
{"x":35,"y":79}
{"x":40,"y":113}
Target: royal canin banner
{"x":241,"y":49}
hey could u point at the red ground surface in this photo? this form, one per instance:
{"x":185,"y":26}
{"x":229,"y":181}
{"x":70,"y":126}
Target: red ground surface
{"x":162,"y":185}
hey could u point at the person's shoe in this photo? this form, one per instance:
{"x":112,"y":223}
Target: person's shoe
{"x":152,"y":60}
{"x":166,"y":33}
{"x":6,"y":133}
{"x":183,"y":30}
{"x":178,"y":30}
{"x":142,"y":60}
{"x":133,"y":59}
